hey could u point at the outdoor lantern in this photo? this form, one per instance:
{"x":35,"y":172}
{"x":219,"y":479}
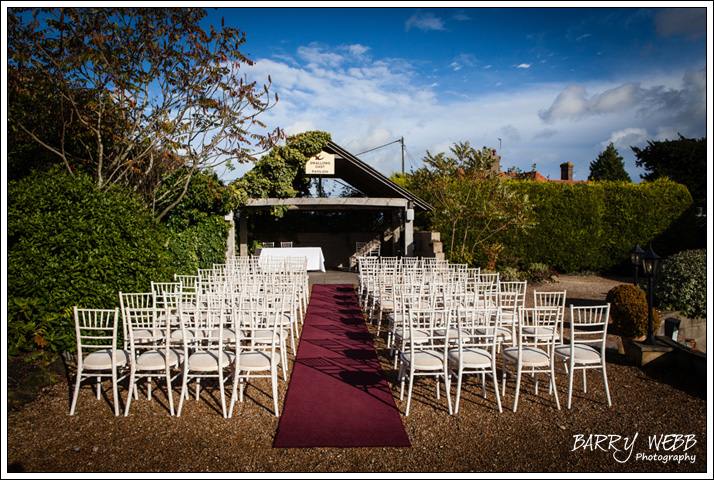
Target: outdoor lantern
{"x":650,"y":262}
{"x":636,"y":257}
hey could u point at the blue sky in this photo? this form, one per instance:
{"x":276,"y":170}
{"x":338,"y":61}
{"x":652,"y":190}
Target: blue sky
{"x":543,"y":85}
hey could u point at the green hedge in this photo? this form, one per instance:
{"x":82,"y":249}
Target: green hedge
{"x":198,"y":246}
{"x":71,"y":244}
{"x":593,"y":226}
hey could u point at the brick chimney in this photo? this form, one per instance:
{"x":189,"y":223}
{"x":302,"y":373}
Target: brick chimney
{"x":495,"y":161}
{"x":566,"y":171}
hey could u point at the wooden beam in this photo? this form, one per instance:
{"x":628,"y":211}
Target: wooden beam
{"x":346,"y":203}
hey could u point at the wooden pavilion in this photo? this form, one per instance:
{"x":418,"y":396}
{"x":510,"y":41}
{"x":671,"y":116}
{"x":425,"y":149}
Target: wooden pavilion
{"x":380,"y":194}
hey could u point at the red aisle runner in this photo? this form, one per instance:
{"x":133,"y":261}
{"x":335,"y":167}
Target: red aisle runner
{"x":338,"y":396}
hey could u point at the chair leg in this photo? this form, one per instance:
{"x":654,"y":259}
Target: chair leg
{"x":494,"y":375}
{"x":585,"y":382}
{"x":447,"y":387}
{"x":115,"y":390}
{"x":233,"y":392}
{"x":222,"y":388}
{"x":168,"y":392}
{"x":400,"y":377}
{"x":274,"y":380}
{"x":518,"y":387}
{"x":132,"y":388}
{"x":555,"y":388}
{"x":571,"y":374}
{"x":184,"y":392}
{"x":76,"y":392}
{"x":459,"y":379}
{"x":409,"y":393}
{"x":607,"y":389}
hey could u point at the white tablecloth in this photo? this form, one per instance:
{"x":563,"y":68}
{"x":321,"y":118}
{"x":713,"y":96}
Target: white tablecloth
{"x":315,"y":259}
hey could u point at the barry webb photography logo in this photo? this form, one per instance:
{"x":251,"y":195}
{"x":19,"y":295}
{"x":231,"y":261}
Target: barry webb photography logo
{"x":659,"y":448}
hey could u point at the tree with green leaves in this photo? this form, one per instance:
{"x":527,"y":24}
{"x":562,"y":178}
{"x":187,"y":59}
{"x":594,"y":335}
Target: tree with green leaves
{"x":609,"y":166}
{"x":137,"y":97}
{"x":683,"y":161}
{"x":472,"y":203}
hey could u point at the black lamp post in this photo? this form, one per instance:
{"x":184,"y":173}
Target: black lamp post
{"x":636,"y":257}
{"x":650,"y":262}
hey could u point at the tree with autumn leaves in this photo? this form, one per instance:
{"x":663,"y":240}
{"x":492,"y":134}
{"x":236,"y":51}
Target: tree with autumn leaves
{"x":142,"y":98}
{"x":473,"y":204}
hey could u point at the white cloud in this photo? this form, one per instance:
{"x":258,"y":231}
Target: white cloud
{"x":314,"y":55}
{"x":425,"y":22}
{"x":524,"y":65}
{"x":366,"y":103}
{"x":358,"y":50}
{"x":623,"y":139}
{"x":573,"y":102}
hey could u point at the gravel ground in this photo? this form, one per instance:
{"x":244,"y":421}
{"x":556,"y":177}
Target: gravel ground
{"x":647,"y":404}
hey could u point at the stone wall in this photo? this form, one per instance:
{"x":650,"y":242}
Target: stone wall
{"x":428,"y":245}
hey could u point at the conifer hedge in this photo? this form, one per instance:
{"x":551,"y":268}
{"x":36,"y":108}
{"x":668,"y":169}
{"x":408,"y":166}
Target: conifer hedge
{"x":593,"y":226}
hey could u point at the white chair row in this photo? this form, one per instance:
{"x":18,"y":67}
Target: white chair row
{"x":450,"y":342}
{"x":170,"y":333}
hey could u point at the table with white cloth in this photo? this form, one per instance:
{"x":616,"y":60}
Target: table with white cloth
{"x":315,"y":258}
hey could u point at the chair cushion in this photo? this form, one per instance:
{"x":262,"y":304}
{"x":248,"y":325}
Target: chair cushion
{"x":156,"y":359}
{"x":530,"y":357}
{"x":102,"y":359}
{"x":582,"y":353}
{"x":424,"y":360}
{"x":207,"y":360}
{"x":541,"y":331}
{"x":420,"y":336}
{"x":191,"y":333}
{"x":254,"y":361}
{"x":471,"y":357}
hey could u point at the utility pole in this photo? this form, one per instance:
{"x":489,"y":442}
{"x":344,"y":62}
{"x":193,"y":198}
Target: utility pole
{"x":402,"y":155}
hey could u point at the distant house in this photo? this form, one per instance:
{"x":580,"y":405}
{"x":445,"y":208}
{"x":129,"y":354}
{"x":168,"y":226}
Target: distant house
{"x":566,"y":172}
{"x":566,"y":175}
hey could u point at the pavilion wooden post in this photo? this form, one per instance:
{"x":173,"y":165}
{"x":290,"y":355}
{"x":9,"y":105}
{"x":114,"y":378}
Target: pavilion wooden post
{"x":243,"y":234}
{"x":395,"y":229}
{"x":231,"y":240}
{"x":409,"y":230}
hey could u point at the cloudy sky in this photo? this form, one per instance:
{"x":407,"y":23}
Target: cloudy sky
{"x":541,"y":85}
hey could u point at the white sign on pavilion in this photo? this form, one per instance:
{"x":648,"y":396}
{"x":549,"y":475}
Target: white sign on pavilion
{"x":321,"y":164}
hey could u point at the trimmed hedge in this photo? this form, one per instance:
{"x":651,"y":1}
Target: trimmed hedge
{"x":593,"y":226}
{"x":198,"y":246}
{"x":71,"y":244}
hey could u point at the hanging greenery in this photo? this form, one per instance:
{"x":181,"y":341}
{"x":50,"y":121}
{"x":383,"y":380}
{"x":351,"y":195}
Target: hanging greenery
{"x":281,"y":172}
